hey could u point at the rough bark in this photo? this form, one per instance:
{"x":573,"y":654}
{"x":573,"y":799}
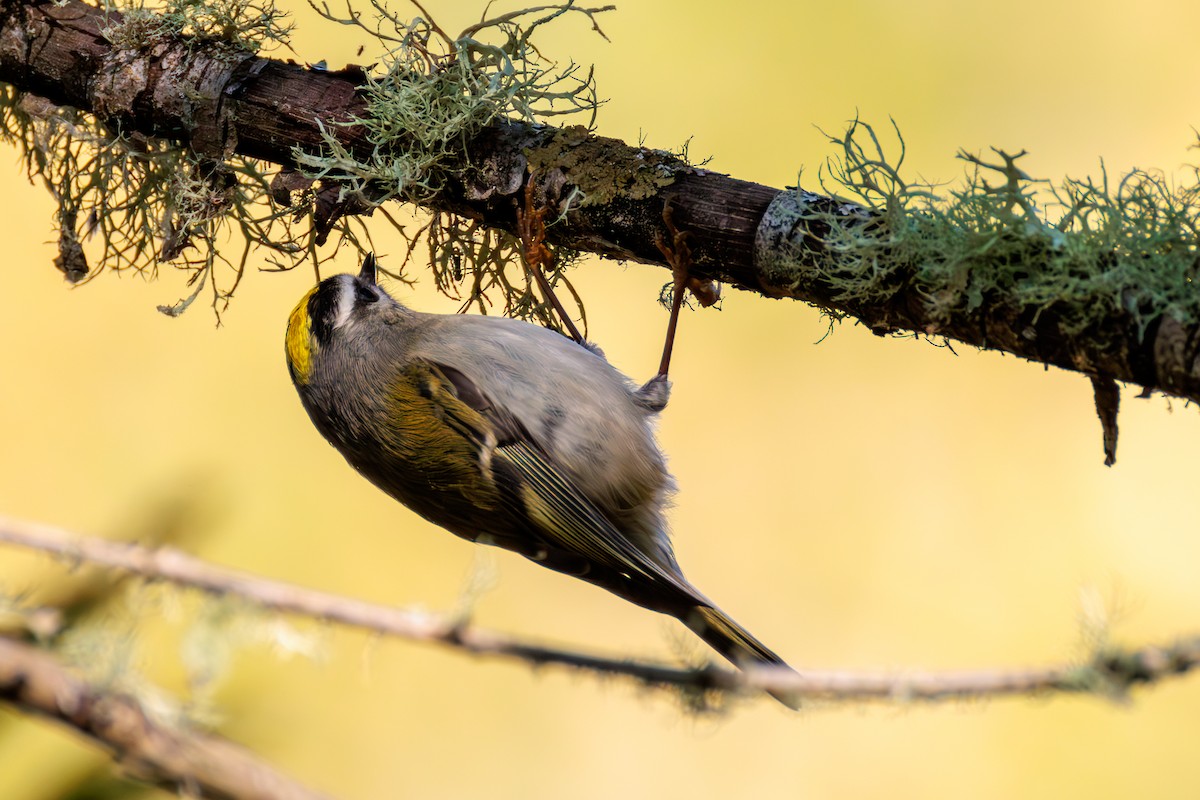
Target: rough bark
{"x":739,"y":231}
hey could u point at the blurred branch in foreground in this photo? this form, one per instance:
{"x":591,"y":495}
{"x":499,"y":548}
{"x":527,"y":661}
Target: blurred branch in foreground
{"x":189,"y":762}
{"x":1109,"y":671}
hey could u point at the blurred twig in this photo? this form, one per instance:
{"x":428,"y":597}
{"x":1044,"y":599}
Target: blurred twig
{"x":191,"y":763}
{"x":1108,"y":671}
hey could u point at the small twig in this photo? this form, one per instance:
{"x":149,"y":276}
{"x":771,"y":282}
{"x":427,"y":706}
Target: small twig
{"x":433,"y":25}
{"x":174,"y":566}
{"x":185,"y":761}
{"x":1108,"y":401}
{"x":1110,"y":672}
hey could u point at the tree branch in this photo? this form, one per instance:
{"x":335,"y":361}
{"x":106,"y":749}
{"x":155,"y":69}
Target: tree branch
{"x":1109,"y":671}
{"x":180,"y":760}
{"x":778,"y":243}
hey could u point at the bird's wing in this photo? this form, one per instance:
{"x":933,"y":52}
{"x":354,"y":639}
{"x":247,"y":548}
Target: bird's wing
{"x":561,"y":513}
{"x":566,"y":521}
{"x":494,"y":423}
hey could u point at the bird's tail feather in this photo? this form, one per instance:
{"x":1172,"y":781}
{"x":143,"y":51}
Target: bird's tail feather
{"x":736,"y":643}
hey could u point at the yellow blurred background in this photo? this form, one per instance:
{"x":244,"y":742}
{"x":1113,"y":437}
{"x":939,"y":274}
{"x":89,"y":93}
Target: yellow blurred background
{"x":860,"y":503}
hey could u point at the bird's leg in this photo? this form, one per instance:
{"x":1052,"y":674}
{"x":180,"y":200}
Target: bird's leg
{"x":678,"y":256}
{"x":654,"y":394}
{"x":531,"y":228}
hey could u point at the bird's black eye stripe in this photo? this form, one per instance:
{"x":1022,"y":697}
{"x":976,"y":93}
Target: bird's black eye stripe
{"x":322,"y":306}
{"x":364,"y":294}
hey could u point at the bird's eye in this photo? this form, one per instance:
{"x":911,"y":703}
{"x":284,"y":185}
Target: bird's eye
{"x":364,"y":294}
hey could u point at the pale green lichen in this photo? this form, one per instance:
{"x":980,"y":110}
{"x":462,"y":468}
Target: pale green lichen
{"x":1088,"y":247}
{"x":130,"y":202}
{"x":245,"y":25}
{"x":430,"y":96}
{"x":434,"y":93}
{"x":605,"y":169}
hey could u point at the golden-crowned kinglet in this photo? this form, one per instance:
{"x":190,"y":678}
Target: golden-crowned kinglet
{"x":503,"y":433}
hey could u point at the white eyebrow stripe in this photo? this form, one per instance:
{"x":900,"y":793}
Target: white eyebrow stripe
{"x":345,"y":301}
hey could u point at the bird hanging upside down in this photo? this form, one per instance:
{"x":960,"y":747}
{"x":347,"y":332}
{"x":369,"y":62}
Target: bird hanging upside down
{"x":503,"y":433}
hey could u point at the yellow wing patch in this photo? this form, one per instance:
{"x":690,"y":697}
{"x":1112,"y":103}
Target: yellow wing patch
{"x":438,"y":437}
{"x":299,"y":340}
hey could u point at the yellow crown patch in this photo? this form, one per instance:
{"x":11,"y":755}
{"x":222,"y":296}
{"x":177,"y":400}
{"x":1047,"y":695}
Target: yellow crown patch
{"x":299,"y":341}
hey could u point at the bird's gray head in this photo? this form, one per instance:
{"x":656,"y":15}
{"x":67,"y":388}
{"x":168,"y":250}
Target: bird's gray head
{"x":334,"y":307}
{"x":342,"y":301}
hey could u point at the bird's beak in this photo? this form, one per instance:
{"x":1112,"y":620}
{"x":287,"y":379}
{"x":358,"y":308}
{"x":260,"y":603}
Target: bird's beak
{"x":368,"y":270}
